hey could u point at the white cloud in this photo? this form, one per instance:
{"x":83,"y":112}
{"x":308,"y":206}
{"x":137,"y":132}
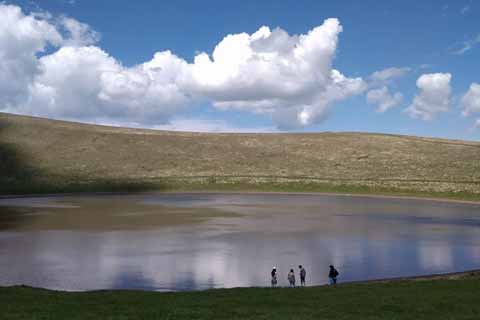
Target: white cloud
{"x":85,"y":83}
{"x":466,"y":45}
{"x":79,"y":82}
{"x":70,"y":83}
{"x":151,"y":92}
{"x":210,"y":125}
{"x":78,"y":34}
{"x":425,"y":66}
{"x":465,"y":9}
{"x":21,"y":38}
{"x":189,"y":125}
{"x":287,"y":77}
{"x":379,"y":93}
{"x":434,"y":96}
{"x":471,"y":100}
{"x":387,"y":75}
{"x":477,"y":124}
{"x":384,"y":99}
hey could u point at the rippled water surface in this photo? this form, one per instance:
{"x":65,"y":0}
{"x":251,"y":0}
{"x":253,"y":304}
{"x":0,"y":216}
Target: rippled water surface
{"x":199,"y":241}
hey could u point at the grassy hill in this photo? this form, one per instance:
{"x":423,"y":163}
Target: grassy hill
{"x":40,"y":155}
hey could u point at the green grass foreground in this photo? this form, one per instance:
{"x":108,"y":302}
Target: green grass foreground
{"x":432,"y":299}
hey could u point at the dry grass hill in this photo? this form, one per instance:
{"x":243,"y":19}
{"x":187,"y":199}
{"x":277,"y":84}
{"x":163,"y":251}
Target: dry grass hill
{"x":40,"y":155}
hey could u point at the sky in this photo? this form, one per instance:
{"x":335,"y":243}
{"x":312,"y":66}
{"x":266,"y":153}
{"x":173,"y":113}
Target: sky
{"x":401,"y":67}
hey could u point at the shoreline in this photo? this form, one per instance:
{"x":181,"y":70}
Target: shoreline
{"x":246,"y":192}
{"x":449,"y":276}
{"x":456,"y":275}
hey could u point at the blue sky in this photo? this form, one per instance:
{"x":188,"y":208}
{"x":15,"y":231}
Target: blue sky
{"x":422,"y":37}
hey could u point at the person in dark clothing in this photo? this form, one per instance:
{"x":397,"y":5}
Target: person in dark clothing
{"x":274,"y":277}
{"x":303,"y":274}
{"x":332,"y":275}
{"x":291,"y":278}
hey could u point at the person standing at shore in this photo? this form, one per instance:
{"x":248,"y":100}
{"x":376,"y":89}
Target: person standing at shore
{"x":274,"y":277}
{"x":303,"y":274}
{"x":332,"y":275}
{"x":291,"y":278}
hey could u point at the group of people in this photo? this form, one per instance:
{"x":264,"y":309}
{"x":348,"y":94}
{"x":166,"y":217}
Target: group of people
{"x":332,"y":276}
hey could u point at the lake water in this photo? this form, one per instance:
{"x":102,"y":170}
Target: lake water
{"x":200,"y":241}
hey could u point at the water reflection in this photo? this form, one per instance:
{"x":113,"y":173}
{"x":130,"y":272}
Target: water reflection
{"x":365,"y":238}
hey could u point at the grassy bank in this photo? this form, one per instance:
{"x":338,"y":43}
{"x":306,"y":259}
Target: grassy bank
{"x":215,"y":184}
{"x":432,"y":299}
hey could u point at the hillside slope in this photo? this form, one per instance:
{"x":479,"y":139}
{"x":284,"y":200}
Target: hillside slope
{"x":38,"y":154}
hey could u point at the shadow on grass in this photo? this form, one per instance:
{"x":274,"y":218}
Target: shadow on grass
{"x":12,"y":168}
{"x":18,"y":176}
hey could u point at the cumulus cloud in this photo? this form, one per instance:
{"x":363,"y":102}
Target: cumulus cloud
{"x":471,"y":100}
{"x":379,"y":83}
{"x":434,"y":96}
{"x":80,"y":82}
{"x":21,"y":38}
{"x":387,"y":75}
{"x":85,"y":83}
{"x":151,"y":92}
{"x":288,"y":77}
{"x":384,"y":99}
